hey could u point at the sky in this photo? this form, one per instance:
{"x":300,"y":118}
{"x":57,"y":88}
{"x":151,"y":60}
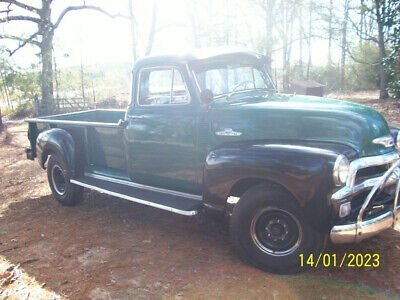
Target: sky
{"x":94,"y":38}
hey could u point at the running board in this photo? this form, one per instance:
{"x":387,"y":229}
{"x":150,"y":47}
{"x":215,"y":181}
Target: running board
{"x":183,"y":205}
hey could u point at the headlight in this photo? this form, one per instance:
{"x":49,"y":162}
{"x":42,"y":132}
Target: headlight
{"x":397,"y":141}
{"x":341,"y":170}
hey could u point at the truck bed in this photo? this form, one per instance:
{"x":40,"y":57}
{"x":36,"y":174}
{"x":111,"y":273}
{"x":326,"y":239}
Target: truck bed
{"x":97,"y":131}
{"x":97,"y":117}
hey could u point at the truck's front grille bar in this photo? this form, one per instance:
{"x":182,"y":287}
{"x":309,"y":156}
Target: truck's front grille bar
{"x":379,"y":186}
{"x":366,"y":162}
{"x":353,"y":187}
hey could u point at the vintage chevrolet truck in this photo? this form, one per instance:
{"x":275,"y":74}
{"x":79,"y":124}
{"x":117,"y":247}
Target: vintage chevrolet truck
{"x":208,"y":131}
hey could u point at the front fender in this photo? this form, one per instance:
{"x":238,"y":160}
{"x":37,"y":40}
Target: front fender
{"x":57,"y":141}
{"x":303,"y":169}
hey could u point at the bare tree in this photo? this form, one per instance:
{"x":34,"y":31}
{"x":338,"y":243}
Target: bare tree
{"x":268,"y":7}
{"x":153,"y":29}
{"x":380,"y":11}
{"x":374,"y":30}
{"x":301,"y":35}
{"x":344,"y":43}
{"x":192,"y":16}
{"x":132,"y":21}
{"x":41,"y":17}
{"x":330,"y":32}
{"x":310,"y":33}
{"x":287,"y":10}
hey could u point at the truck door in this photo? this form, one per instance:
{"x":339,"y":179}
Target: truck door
{"x":161,"y":131}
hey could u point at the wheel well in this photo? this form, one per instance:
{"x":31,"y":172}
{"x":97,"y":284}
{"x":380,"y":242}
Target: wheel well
{"x":243,"y":185}
{"x":45,"y":156}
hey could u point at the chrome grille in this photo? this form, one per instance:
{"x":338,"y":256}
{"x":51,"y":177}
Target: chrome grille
{"x":371,"y":172}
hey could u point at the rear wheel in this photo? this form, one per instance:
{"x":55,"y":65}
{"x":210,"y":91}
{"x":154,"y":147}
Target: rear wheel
{"x":269,"y":230}
{"x":63,"y":190}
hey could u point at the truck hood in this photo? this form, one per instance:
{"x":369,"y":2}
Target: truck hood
{"x":283,"y":117}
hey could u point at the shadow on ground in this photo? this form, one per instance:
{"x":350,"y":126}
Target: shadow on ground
{"x":108,"y":247}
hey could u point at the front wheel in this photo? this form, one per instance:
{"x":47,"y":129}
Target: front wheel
{"x":63,"y":190}
{"x":269,"y":230}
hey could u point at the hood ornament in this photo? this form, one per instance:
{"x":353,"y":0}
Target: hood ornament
{"x":387,"y":141}
{"x":228,"y":132}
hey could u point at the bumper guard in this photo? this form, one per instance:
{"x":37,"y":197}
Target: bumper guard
{"x":356,"y":232}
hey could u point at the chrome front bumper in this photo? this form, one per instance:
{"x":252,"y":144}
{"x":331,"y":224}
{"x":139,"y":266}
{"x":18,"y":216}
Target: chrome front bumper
{"x":362,"y":229}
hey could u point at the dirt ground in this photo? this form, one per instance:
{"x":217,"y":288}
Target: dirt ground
{"x":109,"y":248}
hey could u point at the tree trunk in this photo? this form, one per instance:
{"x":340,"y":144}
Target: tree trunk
{"x":309,"y":39}
{"x":133,"y":31}
{"x":288,"y":12}
{"x":191,"y":11}
{"x":330,"y":33}
{"x":380,"y":9}
{"x":344,"y":45}
{"x":362,"y":18}
{"x":152,"y":33}
{"x":227,"y":23}
{"x":285,"y":24}
{"x":6,"y":91}
{"x":82,"y":81}
{"x":301,"y":36}
{"x":46,"y":52}
{"x":269,"y":26}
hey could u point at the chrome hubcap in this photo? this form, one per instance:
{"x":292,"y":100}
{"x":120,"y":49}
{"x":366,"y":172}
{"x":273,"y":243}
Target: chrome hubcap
{"x":58,"y":178}
{"x":276,"y":231}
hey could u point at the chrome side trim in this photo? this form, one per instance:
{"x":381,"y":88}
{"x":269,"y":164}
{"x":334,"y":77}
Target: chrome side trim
{"x":75,"y":123}
{"x":371,"y":161}
{"x":228,"y":132}
{"x":68,"y":122}
{"x":386,"y":141}
{"x":137,"y":200}
{"x":145,"y":187}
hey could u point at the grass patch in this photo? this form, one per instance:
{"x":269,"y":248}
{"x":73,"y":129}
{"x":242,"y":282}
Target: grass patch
{"x":268,"y":286}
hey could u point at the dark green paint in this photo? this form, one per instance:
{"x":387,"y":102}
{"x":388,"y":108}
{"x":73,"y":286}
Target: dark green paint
{"x":306,"y":118}
{"x":167,"y":147}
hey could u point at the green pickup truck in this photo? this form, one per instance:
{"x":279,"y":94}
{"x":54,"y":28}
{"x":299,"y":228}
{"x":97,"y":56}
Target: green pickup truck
{"x":208,"y":131}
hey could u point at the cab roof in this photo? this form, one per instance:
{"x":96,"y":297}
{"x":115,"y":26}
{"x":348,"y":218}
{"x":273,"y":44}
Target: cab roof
{"x":198,"y":56}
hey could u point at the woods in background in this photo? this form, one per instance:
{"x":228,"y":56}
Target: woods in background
{"x":361,"y":38}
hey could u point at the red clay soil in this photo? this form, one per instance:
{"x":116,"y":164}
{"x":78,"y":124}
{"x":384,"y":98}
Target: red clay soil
{"x":109,"y":247}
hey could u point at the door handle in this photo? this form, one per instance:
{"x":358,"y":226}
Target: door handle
{"x":122,"y":123}
{"x":136,"y":117}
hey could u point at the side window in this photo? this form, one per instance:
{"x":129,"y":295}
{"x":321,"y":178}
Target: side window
{"x":179,"y":93}
{"x":162,"y":87}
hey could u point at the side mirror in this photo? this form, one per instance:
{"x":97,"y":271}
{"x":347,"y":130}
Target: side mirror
{"x":206,"y":96}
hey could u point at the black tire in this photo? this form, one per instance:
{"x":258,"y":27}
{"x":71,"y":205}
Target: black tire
{"x":269,"y":230}
{"x":64,"y":192}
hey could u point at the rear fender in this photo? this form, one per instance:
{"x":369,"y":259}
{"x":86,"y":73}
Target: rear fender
{"x":59,"y":142}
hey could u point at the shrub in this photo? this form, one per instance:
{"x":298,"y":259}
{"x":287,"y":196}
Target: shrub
{"x":22,"y":110}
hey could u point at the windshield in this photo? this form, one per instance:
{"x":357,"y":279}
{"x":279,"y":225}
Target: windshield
{"x":229,"y":79}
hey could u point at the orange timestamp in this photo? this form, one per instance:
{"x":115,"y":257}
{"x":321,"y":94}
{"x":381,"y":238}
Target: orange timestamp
{"x":350,"y":260}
